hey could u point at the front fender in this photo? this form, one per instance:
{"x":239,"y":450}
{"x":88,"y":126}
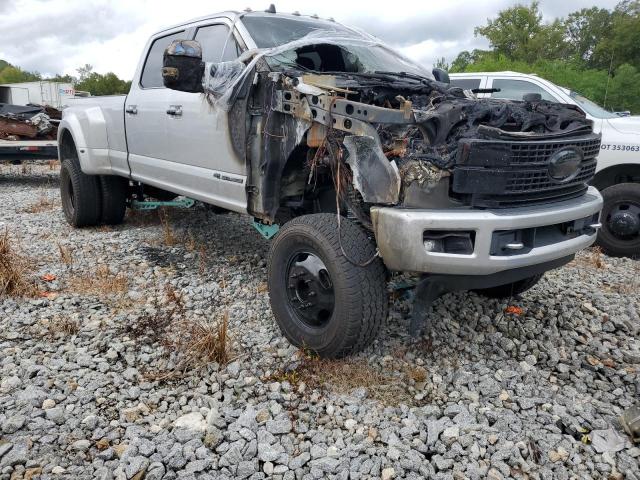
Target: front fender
{"x":88,"y":128}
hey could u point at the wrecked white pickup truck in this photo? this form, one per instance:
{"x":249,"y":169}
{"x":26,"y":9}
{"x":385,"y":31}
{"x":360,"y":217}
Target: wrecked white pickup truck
{"x":360,"y":160}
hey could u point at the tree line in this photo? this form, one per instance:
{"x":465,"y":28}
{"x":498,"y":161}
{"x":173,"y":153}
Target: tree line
{"x":87,"y":80}
{"x":593,"y":51}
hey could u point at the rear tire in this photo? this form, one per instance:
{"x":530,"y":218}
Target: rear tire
{"x":115,"y":191}
{"x":80,"y":194}
{"x":510,"y":289}
{"x":620,"y":232}
{"x":320,"y":299}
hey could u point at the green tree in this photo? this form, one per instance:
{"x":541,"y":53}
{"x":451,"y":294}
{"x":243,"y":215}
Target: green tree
{"x":585,"y":29}
{"x":84,"y":72}
{"x":593,"y":51}
{"x":107,"y":84}
{"x":625,"y":80}
{"x":622,"y":45}
{"x":465,"y":59}
{"x":63,"y":78}
{"x":512,"y":32}
{"x":11,"y":74}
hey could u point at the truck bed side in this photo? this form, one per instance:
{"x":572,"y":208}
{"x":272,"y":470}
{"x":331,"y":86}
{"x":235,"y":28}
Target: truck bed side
{"x":96,"y":126}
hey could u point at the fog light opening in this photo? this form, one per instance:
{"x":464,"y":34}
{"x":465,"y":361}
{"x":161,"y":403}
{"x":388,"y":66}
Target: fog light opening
{"x":452,"y":242}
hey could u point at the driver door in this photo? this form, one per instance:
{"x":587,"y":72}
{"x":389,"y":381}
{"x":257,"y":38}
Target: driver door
{"x":199,"y":143}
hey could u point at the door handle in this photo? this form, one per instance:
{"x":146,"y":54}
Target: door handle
{"x":175,"y":110}
{"x":132,"y":109}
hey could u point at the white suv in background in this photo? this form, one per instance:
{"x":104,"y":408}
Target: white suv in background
{"x":618,"y":171}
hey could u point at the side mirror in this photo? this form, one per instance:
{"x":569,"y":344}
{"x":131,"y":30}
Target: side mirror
{"x":182,"y":66}
{"x":441,"y":75}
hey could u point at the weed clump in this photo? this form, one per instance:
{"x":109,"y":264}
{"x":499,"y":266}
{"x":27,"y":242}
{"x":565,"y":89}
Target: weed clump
{"x":14,"y":270}
{"x":99,"y":282}
{"x":188,"y":343}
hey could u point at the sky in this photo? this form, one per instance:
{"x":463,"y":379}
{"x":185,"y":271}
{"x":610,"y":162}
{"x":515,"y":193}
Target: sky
{"x":58,"y":36}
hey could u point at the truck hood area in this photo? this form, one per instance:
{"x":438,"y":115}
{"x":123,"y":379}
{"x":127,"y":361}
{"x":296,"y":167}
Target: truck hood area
{"x":392,"y":128}
{"x":629,"y":125}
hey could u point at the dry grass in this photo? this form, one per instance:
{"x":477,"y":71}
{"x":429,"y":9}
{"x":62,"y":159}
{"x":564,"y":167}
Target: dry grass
{"x":202,"y":261}
{"x":26,"y":169}
{"x":191,"y":344}
{"x":592,"y":257}
{"x":204,"y":341}
{"x":99,"y":282}
{"x":66,"y":254}
{"x":345,"y":375}
{"x":63,"y":327}
{"x":169,"y":236}
{"x":190,"y":242}
{"x":42,"y":204}
{"x":54,"y":164}
{"x":14,"y":270}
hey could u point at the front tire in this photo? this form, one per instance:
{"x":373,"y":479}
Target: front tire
{"x":620,"y":232}
{"x":80,"y":194}
{"x":510,"y":289}
{"x":320,"y":299}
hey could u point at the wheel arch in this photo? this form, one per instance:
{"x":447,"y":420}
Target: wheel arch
{"x":87,"y":130}
{"x":615,"y":174}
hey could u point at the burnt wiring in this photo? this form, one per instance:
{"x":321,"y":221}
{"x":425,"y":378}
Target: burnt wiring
{"x":337,"y":181}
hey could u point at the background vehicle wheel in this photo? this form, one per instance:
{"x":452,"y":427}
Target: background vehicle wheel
{"x":80,"y":193}
{"x":510,"y":289}
{"x":320,"y":299}
{"x":620,"y":232}
{"x":115,"y":191}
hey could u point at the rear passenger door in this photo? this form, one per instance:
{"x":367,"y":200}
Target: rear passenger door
{"x":198,"y":137}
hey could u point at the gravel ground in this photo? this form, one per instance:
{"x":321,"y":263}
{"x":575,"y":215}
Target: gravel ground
{"x":103,"y":374}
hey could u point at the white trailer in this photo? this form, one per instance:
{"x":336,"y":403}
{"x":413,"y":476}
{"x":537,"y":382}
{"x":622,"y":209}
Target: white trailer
{"x":55,"y":94}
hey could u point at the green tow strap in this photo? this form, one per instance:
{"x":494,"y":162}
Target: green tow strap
{"x":149,"y":205}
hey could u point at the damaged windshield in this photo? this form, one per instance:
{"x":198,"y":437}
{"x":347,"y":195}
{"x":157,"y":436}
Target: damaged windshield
{"x":271,"y":31}
{"x":345,"y":50}
{"x":590,"y":107}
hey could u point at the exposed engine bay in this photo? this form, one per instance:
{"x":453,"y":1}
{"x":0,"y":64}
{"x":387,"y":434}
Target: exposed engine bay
{"x":377,"y":137}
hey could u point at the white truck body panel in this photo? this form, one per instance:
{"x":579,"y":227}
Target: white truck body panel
{"x":146,"y":143}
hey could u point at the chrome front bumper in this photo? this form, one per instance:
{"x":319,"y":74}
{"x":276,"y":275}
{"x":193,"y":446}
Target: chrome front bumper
{"x":399,"y":235}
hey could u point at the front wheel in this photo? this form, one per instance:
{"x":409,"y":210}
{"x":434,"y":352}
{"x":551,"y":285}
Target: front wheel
{"x":326,"y":297}
{"x":510,"y":289}
{"x":620,"y":232}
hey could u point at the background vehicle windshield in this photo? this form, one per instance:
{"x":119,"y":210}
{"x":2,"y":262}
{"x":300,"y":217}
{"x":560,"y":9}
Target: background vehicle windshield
{"x":272,"y":31}
{"x":590,"y":107}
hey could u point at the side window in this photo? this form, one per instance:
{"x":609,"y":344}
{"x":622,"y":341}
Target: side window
{"x":152,"y":71}
{"x":515,"y":89}
{"x":214,"y":39}
{"x":466,"y":83}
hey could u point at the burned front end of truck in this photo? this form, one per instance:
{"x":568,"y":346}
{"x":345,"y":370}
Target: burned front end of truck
{"x":335,"y":121}
{"x":368,"y":164}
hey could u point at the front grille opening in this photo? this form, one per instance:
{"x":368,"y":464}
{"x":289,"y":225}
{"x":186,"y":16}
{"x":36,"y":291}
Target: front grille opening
{"x":500,"y":174}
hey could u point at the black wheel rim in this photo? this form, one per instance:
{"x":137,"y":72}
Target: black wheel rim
{"x":623,"y":220}
{"x":72,"y":200}
{"x":310,"y":291}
